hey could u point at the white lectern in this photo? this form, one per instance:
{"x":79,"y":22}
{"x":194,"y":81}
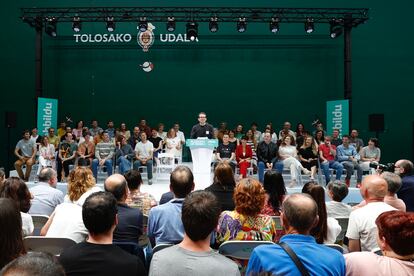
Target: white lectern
{"x":202,"y":155}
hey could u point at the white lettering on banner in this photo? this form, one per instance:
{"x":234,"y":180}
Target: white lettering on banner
{"x":337,"y":117}
{"x":102,"y":38}
{"x":47,"y":117}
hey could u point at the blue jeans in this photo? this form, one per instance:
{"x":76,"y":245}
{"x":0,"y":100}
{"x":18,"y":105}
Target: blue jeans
{"x":124,"y":164}
{"x":333,"y":165}
{"x":350,"y":167}
{"x":107,"y":164}
{"x":138,"y":164}
{"x":277,"y":165}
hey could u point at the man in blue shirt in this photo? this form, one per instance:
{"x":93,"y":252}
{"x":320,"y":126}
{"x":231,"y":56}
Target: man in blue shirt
{"x":349,"y":157}
{"x":299,"y":216}
{"x":164,"y":221}
{"x":405,"y":169}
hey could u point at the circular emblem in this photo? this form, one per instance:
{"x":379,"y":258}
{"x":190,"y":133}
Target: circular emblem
{"x":146,"y":39}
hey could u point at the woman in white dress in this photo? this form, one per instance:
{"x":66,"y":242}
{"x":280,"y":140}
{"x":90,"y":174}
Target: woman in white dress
{"x":46,"y":155}
{"x":173,"y":144}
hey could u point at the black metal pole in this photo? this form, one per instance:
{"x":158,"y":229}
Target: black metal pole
{"x":38,"y":61}
{"x":348,"y":68}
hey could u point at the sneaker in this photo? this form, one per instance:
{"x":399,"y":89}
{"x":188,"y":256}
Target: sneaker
{"x":149,"y":181}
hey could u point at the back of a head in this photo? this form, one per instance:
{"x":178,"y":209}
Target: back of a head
{"x":374,"y":187}
{"x":393,"y":180}
{"x":34,"y":264}
{"x":80,"y":180}
{"x":223,"y":174}
{"x":338,"y":189}
{"x":99,"y":212}
{"x":181,"y":181}
{"x":274,"y":186}
{"x":116,"y":184}
{"x":249,"y":197}
{"x":200,"y":214}
{"x":16,"y":189}
{"x":300,"y":211}
{"x":134,"y":179}
{"x":397,"y":228}
{"x":46,"y":174}
{"x":11,"y":240}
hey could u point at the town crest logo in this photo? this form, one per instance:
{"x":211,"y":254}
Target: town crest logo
{"x":146,"y":39}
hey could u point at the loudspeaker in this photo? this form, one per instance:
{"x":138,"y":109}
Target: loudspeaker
{"x":11,"y":119}
{"x":376,"y":122}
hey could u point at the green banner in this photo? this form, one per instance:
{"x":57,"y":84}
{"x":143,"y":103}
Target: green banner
{"x":47,"y":112}
{"x":337,"y":116}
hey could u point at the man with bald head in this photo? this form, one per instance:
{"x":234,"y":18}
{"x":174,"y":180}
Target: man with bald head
{"x":362,"y":230}
{"x":129,"y":227}
{"x":405,"y":169}
{"x":299,"y":216}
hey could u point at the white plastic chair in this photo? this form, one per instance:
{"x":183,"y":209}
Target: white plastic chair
{"x":343,"y":222}
{"x":240,"y":249}
{"x":165,"y":165}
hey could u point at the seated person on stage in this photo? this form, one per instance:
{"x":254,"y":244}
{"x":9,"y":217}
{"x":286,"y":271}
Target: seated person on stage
{"x":122,"y":130}
{"x":225,"y":151}
{"x":135,"y":137}
{"x":299,"y":216}
{"x":193,"y":256}
{"x":53,"y":138}
{"x":164,"y":221}
{"x":78,"y":131}
{"x":244,"y":156}
{"x":61,"y":130}
{"x":136,"y":198}
{"x":143,"y":127}
{"x":362,"y":231}
{"x":26,"y":151}
{"x":395,"y":239}
{"x":273,"y":134}
{"x":327,"y":154}
{"x":349,"y":157}
{"x":336,"y":140}
{"x":104,"y":151}
{"x":86,"y":150}
{"x":287,"y":130}
{"x":223,"y":185}
{"x":160,"y":131}
{"x":370,"y":153}
{"x":124,"y":154}
{"x":129,"y":227}
{"x":45,"y":195}
{"x":202,"y":129}
{"x":355,"y":141}
{"x":257,"y":134}
{"x":232,"y":139}
{"x":180,"y":135}
{"x":335,"y":208}
{"x":95,"y":129}
{"x":308,"y":155}
{"x":66,"y":155}
{"x":46,"y":155}
{"x":173,"y":144}
{"x":267,"y":154}
{"x":156,"y":141}
{"x":97,"y":255}
{"x":144,"y":154}
{"x":111,"y":130}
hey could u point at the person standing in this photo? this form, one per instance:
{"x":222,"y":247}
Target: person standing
{"x":202,"y":129}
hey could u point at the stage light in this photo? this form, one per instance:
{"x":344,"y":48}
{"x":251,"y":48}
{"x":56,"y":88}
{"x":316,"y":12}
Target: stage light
{"x":192,"y":30}
{"x":143,"y":24}
{"x":110,"y":24}
{"x":241,"y":25}
{"x":51,"y":28}
{"x":76,"y":24}
{"x":274,"y":25}
{"x":171,"y":24}
{"x":309,"y":26}
{"x":213,"y":25}
{"x":335,"y":29}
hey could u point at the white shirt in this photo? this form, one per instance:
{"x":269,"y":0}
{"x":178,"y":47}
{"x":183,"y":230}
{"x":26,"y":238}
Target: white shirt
{"x":144,"y":149}
{"x":362,"y":225}
{"x":27,"y":224}
{"x":180,"y":135}
{"x":288,"y":150}
{"x":337,"y":209}
{"x":333,"y":230}
{"x":171,"y":146}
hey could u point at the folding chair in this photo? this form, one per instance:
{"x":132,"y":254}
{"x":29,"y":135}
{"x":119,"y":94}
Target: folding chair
{"x":165,"y":165}
{"x":240,"y":249}
{"x":336,"y":247}
{"x":38,"y":221}
{"x":343,"y":222}
{"x":161,"y":246}
{"x":49,"y":245}
{"x":278,"y":223}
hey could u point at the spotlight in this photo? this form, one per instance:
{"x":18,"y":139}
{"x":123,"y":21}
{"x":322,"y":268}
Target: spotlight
{"x":335,"y":29}
{"x":76,"y":24}
{"x":143,"y":24}
{"x":192,"y":30}
{"x":241,"y":25}
{"x":309,"y":26}
{"x":110,"y":24}
{"x":51,"y":28}
{"x":274,"y":25}
{"x":171,"y":24}
{"x":213,"y":25}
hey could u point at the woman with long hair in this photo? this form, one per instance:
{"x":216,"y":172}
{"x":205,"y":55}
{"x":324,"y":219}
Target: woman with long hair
{"x":78,"y":130}
{"x":327,"y":228}
{"x":275,"y":189}
{"x":11,"y":240}
{"x":308,"y":155}
{"x":86,"y":150}
{"x":319,"y":136}
{"x":232,"y":138}
{"x":369,"y":154}
{"x":46,"y":155}
{"x":173,"y":143}
{"x":123,"y":130}
{"x":223,"y":185}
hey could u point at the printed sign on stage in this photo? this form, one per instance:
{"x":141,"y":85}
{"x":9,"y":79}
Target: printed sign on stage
{"x":47,"y":110}
{"x":337,"y":116}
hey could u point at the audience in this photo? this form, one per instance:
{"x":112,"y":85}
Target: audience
{"x":104,"y":151}
{"x":135,"y":137}
{"x":2,"y":177}
{"x":336,"y":140}
{"x":15,"y":189}
{"x":226,"y":152}
{"x":335,"y":208}
{"x":275,"y":189}
{"x":97,"y":255}
{"x":223,"y":185}
{"x":369,"y":154}
{"x":244,"y":155}
{"x":156,"y":141}
{"x":25,"y":151}
{"x":136,"y":198}
{"x":164,"y":223}
{"x":144,"y":153}
{"x":129,"y":227}
{"x":11,"y":240}
{"x":46,"y":155}
{"x":327,"y":155}
{"x":308,"y":156}
{"x":355,"y":141}
{"x":66,"y":155}
{"x":86,"y":150}
{"x":122,"y":130}
{"x":299,"y":216}
{"x":267,"y":154}
{"x":173,"y":144}
{"x":53,"y":138}
{"x":34,"y":264}
{"x":348,"y":156}
{"x":193,"y":256}
{"x":405,"y":169}
{"x":362,"y":231}
{"x":45,"y":195}
{"x":124,"y":154}
{"x":396,"y":241}
{"x":328,"y":228}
